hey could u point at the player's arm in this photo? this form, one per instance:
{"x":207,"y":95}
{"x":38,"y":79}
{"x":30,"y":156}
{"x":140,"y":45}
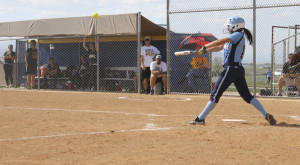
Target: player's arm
{"x":215,"y":49}
{"x":214,"y":46}
{"x":142,"y":62}
{"x":156,"y":51}
{"x":217,"y":45}
{"x":5,"y":57}
{"x":155,"y":72}
{"x":84,"y":44}
{"x":26,"y":59}
{"x":13,"y":57}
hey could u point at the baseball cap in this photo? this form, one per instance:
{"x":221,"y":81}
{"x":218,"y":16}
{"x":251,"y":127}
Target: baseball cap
{"x":147,"y":38}
{"x":158,"y":56}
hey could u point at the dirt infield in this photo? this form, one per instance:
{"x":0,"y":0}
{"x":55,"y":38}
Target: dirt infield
{"x":43,"y":127}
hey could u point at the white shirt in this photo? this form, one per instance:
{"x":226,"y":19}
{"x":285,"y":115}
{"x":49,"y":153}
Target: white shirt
{"x":149,"y":53}
{"x":161,"y":67}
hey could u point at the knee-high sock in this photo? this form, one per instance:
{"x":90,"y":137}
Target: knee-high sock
{"x":258,"y":106}
{"x":210,"y":106}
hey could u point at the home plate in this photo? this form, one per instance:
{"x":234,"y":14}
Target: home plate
{"x":233,"y":120}
{"x":295,"y":117}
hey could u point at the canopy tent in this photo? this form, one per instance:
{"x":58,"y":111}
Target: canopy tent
{"x":122,"y":24}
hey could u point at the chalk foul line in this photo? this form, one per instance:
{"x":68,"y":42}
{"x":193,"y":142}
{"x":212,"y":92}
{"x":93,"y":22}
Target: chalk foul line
{"x":86,"y":133}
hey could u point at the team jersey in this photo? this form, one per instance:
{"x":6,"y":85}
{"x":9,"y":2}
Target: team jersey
{"x":269,"y":74}
{"x":160,"y":67}
{"x":10,"y":55}
{"x":234,"y":51}
{"x":199,"y":63}
{"x":149,"y":52}
{"x":32,"y":56}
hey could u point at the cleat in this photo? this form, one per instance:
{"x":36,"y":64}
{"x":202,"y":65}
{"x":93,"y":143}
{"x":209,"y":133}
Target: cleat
{"x":152,"y":91}
{"x":279,"y":94}
{"x":270,"y":119}
{"x":197,"y":121}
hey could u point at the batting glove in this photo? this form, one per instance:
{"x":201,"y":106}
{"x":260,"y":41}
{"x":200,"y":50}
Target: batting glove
{"x":202,"y":51}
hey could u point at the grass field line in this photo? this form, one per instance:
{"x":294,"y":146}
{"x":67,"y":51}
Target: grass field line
{"x":129,"y":113}
{"x":86,"y":133}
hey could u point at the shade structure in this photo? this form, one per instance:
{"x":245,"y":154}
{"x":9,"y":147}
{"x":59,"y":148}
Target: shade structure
{"x":121,"y":24}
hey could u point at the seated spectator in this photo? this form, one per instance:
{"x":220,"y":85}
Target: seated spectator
{"x":52,"y":72}
{"x":290,"y":77}
{"x":73,"y":74}
{"x":158,"y":73}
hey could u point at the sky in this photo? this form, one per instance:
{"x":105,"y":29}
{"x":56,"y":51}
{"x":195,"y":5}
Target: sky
{"x":16,"y":10}
{"x":155,"y":10}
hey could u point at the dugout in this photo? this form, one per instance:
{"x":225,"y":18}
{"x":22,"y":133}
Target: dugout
{"x":118,"y":37}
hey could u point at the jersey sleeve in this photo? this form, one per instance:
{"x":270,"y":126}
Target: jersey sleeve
{"x":156,"y":51}
{"x":164,"y":67}
{"x":152,"y":66}
{"x":235,"y":37}
{"x":143,"y":53}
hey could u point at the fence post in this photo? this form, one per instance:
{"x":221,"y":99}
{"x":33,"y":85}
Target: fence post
{"x":254,"y":47}
{"x":284,"y":52}
{"x":139,"y":51}
{"x":38,"y":62}
{"x":16,"y":78}
{"x":272,"y":68}
{"x":98,"y":60}
{"x":168,"y":48}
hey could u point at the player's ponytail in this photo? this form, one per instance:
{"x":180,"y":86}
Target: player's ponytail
{"x":248,"y":35}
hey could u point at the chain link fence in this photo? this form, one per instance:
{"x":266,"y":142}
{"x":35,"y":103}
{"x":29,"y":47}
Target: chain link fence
{"x":261,"y":16}
{"x":69,"y":63}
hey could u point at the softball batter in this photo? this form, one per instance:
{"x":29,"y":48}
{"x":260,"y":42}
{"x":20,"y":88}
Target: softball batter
{"x":234,"y":72}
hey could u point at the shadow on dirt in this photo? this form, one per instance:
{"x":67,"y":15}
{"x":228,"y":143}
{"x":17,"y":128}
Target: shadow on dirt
{"x":284,"y":124}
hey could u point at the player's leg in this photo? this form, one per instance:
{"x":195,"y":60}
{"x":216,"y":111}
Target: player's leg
{"x":242,"y":87}
{"x":28,"y":81}
{"x":32,"y":80}
{"x":145,"y":80}
{"x":223,"y":82}
{"x":54,"y":81}
{"x":10,"y":75}
{"x":152,"y":83}
{"x":280,"y":85}
{"x":6,"y":72}
{"x":147,"y":75}
{"x":164,"y":80}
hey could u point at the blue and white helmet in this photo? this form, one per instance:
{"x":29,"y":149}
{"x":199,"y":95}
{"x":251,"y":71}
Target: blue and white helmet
{"x":234,"y":23}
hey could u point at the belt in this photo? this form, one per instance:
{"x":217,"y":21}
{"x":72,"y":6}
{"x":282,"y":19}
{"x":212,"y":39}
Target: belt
{"x":235,"y":64}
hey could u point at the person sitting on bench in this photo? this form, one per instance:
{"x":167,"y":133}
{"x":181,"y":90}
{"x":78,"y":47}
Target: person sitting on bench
{"x":290,"y":77}
{"x":158,"y":73}
{"x":52,"y":72}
